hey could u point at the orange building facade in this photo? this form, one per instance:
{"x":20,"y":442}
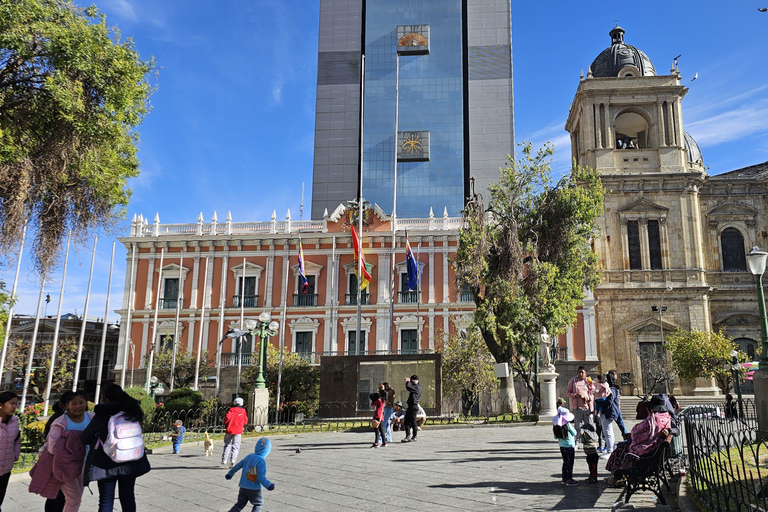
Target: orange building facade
{"x":202,"y":271}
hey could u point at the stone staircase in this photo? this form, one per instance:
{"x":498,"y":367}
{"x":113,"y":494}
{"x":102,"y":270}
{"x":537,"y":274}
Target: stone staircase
{"x":629,"y":402}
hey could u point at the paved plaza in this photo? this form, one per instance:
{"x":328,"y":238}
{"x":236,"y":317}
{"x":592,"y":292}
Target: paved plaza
{"x":513,"y":467}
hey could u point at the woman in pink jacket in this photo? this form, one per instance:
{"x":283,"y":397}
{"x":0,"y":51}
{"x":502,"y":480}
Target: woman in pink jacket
{"x":10,"y":438}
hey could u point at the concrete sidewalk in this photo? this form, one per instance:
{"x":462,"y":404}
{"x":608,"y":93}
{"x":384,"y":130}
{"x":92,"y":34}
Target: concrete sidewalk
{"x":513,"y":467}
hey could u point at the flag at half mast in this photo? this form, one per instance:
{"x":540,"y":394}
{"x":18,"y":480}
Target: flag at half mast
{"x":365,"y":279}
{"x":302,"y":276}
{"x":411,"y":267}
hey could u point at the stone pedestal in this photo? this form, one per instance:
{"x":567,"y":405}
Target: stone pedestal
{"x":258,"y":406}
{"x":760,"y":381}
{"x":706,"y":387}
{"x":548,"y":393}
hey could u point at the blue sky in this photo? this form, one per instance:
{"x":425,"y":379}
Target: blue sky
{"x":232,"y":126}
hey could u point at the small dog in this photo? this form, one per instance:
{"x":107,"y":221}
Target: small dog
{"x":208,"y":444}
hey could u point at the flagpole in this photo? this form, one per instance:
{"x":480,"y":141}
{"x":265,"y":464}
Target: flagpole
{"x":358,"y":348}
{"x":127,"y":338}
{"x":79,"y":359}
{"x":333,"y":295}
{"x":10,"y":310}
{"x":418,"y":297}
{"x":242,"y":328}
{"x":202,"y":322}
{"x":104,"y":326}
{"x":392,"y":341}
{"x":55,"y":345}
{"x":179,"y":303}
{"x":282,"y":331}
{"x":154,"y":323}
{"x":28,"y":373}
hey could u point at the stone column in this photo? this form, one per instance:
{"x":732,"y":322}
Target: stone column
{"x":548,"y":394}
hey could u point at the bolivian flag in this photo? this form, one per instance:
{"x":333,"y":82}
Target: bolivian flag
{"x":360,"y":258}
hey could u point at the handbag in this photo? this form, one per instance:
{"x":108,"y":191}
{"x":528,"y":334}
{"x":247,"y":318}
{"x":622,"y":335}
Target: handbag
{"x":375,"y":423}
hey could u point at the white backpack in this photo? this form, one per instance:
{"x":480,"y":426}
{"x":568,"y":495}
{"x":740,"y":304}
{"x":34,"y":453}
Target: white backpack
{"x":124,"y":441}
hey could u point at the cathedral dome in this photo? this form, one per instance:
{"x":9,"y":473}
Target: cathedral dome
{"x":694,"y":153}
{"x":621,"y":59}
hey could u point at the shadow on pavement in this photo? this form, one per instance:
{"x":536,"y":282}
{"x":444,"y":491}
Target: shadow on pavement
{"x":573,"y":498}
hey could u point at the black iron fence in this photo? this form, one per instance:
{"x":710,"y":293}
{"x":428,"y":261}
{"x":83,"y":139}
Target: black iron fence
{"x":726,"y":459}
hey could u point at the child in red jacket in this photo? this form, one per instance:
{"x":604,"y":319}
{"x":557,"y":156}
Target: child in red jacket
{"x":379,"y":400}
{"x":234,"y":423}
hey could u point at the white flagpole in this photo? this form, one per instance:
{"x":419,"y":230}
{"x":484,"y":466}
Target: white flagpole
{"x":418,"y":297}
{"x":242,"y":328}
{"x":391,"y":330}
{"x":332,"y":332}
{"x":222,"y":303}
{"x":202,"y":321}
{"x":282,"y":332}
{"x":54,"y":347}
{"x":154,"y":323}
{"x":179,"y":301}
{"x":79,"y":359}
{"x":28,"y":373}
{"x":358,"y":344}
{"x":104,"y":327}
{"x":128,"y":342}
{"x":10,"y":311}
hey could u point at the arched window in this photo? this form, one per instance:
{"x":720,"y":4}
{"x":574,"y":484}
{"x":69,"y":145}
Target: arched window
{"x":631,"y":131}
{"x":734,"y":258}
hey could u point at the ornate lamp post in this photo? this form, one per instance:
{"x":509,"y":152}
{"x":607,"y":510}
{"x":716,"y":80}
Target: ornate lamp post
{"x":756,"y":260}
{"x":265,"y":329}
{"x":155,"y":387}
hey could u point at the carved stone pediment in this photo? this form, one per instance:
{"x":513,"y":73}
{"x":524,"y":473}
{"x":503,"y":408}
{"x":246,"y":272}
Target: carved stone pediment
{"x":736,"y":209}
{"x":643,"y":206}
{"x":738,"y":320}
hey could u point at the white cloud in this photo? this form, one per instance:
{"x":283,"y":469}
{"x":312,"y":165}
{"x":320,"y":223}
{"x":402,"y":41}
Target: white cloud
{"x":123,"y":8}
{"x":277,"y":92}
{"x":738,"y":123}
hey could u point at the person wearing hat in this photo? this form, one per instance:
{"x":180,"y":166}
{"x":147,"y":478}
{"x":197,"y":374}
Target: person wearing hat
{"x":566,"y":435}
{"x":177,"y":435}
{"x":414,"y":390}
{"x":234,"y":423}
{"x":398,"y":417}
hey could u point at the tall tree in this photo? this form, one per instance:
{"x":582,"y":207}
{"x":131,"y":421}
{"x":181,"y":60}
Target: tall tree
{"x":71,"y":95}
{"x":527,"y":258}
{"x":467,"y":366}
{"x":184,"y":371}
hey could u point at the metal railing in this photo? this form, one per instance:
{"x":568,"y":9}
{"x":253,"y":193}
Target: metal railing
{"x":168,"y":303}
{"x":230,"y":359}
{"x":409,"y":297}
{"x":305,"y":299}
{"x":466,"y":297}
{"x":249,"y":301}
{"x":350,"y":299}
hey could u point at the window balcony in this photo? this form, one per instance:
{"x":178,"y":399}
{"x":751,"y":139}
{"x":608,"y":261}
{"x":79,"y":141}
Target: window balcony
{"x":465,"y":297}
{"x":409,"y":297}
{"x":249,"y":301}
{"x":168,"y":303}
{"x":248,"y":359}
{"x":350,"y":299}
{"x":304,"y":299}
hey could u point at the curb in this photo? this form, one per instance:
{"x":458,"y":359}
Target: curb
{"x":684,"y":503}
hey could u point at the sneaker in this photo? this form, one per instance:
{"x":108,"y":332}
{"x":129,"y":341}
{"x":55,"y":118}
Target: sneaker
{"x":591,"y":480}
{"x":384,"y":445}
{"x":562,"y":482}
{"x":406,"y":440}
{"x":413,"y":439}
{"x":571,"y":483}
{"x":232,"y":464}
{"x":375,"y":445}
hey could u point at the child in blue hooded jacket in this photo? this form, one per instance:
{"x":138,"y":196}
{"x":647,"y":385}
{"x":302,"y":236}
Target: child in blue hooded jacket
{"x":254,"y":476}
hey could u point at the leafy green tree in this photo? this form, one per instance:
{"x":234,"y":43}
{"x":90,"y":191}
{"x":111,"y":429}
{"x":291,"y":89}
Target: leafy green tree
{"x":184,"y":371}
{"x":71,"y":95}
{"x":698,"y":354}
{"x":5,"y":303}
{"x":467,"y":366}
{"x":300,"y":380}
{"x":146,"y":402}
{"x":527,"y":258}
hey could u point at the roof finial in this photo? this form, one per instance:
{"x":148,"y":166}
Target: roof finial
{"x":581,"y":76}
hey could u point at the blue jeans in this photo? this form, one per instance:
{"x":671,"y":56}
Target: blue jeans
{"x":387,"y":414}
{"x":125,"y":484}
{"x":176,"y":447}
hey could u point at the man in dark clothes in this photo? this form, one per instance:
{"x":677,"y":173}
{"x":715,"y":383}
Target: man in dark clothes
{"x":414,"y":388}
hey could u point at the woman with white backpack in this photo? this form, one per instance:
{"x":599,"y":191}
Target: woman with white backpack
{"x":117,"y":455}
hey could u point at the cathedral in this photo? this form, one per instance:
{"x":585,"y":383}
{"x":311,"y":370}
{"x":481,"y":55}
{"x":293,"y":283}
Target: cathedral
{"x":673,"y":239}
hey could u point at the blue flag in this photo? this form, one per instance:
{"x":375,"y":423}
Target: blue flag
{"x":411,"y":266}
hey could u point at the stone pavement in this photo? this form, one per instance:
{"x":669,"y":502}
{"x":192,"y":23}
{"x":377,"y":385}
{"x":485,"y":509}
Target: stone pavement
{"x":512,"y":467}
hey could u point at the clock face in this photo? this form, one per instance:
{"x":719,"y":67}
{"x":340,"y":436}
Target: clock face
{"x":412,"y":39}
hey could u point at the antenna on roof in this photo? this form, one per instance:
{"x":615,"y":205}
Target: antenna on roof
{"x":301,"y":210}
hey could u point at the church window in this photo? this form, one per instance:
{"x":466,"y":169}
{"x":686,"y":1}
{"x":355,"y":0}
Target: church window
{"x":734,"y":258}
{"x":654,"y":244}
{"x":633,"y":242}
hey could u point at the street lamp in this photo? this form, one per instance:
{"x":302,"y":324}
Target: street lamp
{"x":736,"y":369}
{"x":661,"y":329}
{"x":756,"y":262}
{"x":155,"y":387}
{"x":266,"y":328}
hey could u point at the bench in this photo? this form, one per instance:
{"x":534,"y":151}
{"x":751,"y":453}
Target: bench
{"x":645,"y":474}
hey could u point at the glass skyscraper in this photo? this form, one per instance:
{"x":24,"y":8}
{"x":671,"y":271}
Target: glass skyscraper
{"x":455,"y":116}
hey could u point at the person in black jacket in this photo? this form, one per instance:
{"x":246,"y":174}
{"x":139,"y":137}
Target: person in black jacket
{"x":99,"y":466}
{"x":414,"y":388}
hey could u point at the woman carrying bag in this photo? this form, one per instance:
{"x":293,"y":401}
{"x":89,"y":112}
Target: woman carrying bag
{"x":378,"y":400}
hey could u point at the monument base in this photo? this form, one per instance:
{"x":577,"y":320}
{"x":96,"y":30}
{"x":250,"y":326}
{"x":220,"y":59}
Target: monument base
{"x":258,"y":406}
{"x":706,"y":387}
{"x":760,"y":381}
{"x":548,"y":395}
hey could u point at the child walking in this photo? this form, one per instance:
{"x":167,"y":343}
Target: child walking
{"x":253,"y":477}
{"x":378,"y":400}
{"x":566,"y":436}
{"x":590,"y":441}
{"x":178,"y":435}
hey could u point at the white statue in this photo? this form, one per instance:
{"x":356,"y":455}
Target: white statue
{"x":544,"y":352}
